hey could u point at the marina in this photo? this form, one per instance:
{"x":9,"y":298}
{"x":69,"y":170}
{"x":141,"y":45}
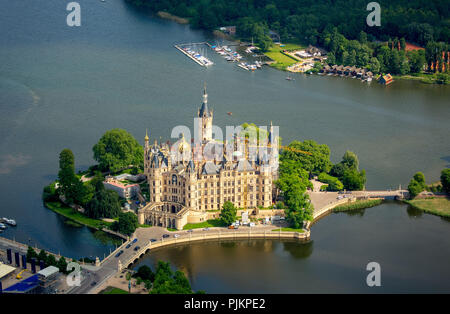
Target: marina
{"x":190,"y":50}
{"x":233,"y":56}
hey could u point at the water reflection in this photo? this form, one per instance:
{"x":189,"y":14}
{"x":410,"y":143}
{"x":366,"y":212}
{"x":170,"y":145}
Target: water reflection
{"x":414,"y":212}
{"x":299,"y":251}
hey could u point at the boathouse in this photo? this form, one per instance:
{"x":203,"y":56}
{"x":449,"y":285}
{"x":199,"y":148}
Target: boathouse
{"x":386,"y":79}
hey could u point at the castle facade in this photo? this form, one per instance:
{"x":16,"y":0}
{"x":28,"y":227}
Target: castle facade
{"x":186,"y":185}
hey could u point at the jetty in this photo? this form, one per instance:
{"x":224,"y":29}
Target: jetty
{"x":193,"y":55}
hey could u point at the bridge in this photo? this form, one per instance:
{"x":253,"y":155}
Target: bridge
{"x":324,"y":202}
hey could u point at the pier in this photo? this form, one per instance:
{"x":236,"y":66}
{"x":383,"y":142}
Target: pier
{"x":202,"y":61}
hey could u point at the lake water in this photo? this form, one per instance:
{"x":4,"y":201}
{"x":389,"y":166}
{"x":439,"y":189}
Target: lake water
{"x":64,"y":87}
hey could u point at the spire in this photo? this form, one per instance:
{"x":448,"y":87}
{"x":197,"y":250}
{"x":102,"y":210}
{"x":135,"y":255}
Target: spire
{"x":146,"y":135}
{"x":204,"y":109}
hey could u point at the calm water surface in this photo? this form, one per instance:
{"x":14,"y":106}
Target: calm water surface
{"x":412,"y":249}
{"x":64,"y":87}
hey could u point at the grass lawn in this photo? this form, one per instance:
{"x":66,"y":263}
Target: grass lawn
{"x":70,"y":213}
{"x":113,"y":290}
{"x":282,"y":61}
{"x":289,"y":230}
{"x":438,"y":206}
{"x":206,"y":224}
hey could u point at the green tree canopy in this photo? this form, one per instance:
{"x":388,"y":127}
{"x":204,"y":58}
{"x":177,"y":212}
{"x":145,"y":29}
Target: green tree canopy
{"x":228,"y":213}
{"x":117,"y":149}
{"x":104,"y":204}
{"x":168,"y":282}
{"x":417,"y":184}
{"x":316,"y":162}
{"x":445,"y":180}
{"x":127,"y":223}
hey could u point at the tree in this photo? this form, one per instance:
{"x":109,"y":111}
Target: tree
{"x":62,"y":265}
{"x":166,"y":282}
{"x":354,"y":180}
{"x":70,"y":186}
{"x":417,"y":184}
{"x":445,"y":180}
{"x":318,"y":159}
{"x":51,"y":260}
{"x":228,"y":213}
{"x":66,"y":174}
{"x":127,"y":223}
{"x":117,"y":149}
{"x":104,"y":204}
{"x":42,"y":256}
{"x":31,"y":253}
{"x":145,"y":273}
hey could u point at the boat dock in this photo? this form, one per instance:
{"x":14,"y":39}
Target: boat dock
{"x":196,"y":57}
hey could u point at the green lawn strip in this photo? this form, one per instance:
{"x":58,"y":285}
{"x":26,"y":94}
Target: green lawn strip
{"x":76,"y":216}
{"x":288,"y":230}
{"x":358,"y":205}
{"x":114,"y":290}
{"x":437,"y":206}
{"x":282,"y":60}
{"x":206,"y":224}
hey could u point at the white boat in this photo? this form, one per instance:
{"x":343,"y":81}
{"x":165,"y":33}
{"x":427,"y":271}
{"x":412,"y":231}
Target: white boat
{"x":2,"y":226}
{"x":11,"y":222}
{"x":242,"y":65}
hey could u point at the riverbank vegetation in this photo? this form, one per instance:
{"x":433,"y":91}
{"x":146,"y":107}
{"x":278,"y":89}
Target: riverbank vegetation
{"x":87,"y":201}
{"x":357,"y":205}
{"x":439,"y":206}
{"x":301,"y":160}
{"x":340,"y":27}
{"x":163,"y":280}
{"x":47,"y":259}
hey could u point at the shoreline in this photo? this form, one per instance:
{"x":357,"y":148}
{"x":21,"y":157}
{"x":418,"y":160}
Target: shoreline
{"x":273,"y":63}
{"x":426,"y":210}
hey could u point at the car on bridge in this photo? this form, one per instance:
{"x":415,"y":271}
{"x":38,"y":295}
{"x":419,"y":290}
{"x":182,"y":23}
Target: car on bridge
{"x":120,"y":253}
{"x":137,"y":248}
{"x":166,"y":235}
{"x":176,"y":235}
{"x":134,"y":241}
{"x":128,"y":245}
{"x":190,"y":230}
{"x":153,"y":240}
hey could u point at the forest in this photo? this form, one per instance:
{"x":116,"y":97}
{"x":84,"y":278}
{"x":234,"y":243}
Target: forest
{"x":336,"y":25}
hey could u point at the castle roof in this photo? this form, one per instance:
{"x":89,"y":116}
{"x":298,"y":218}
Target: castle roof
{"x":210,"y":168}
{"x":204,"y":110}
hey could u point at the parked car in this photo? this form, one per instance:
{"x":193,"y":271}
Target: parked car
{"x":190,"y":230}
{"x":165,"y":236}
{"x":153,"y":240}
{"x":176,"y":235}
{"x":231,"y":227}
{"x":137,"y":248}
{"x":206,"y":229}
{"x":128,"y":246}
{"x":135,"y":240}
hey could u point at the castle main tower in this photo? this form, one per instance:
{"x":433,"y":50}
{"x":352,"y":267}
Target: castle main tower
{"x":205,"y":119}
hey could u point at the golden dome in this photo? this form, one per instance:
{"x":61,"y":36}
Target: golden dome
{"x":183,"y":146}
{"x":146,"y":135}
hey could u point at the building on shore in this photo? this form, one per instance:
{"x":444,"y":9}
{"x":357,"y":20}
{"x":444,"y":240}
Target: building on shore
{"x":125,"y":190}
{"x":386,"y":79}
{"x":186,"y":185}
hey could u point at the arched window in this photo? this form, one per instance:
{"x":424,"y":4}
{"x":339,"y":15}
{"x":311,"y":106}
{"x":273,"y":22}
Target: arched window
{"x":174,"y":179}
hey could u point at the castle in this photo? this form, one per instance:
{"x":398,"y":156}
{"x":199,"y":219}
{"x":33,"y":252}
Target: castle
{"x":187,"y":186}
